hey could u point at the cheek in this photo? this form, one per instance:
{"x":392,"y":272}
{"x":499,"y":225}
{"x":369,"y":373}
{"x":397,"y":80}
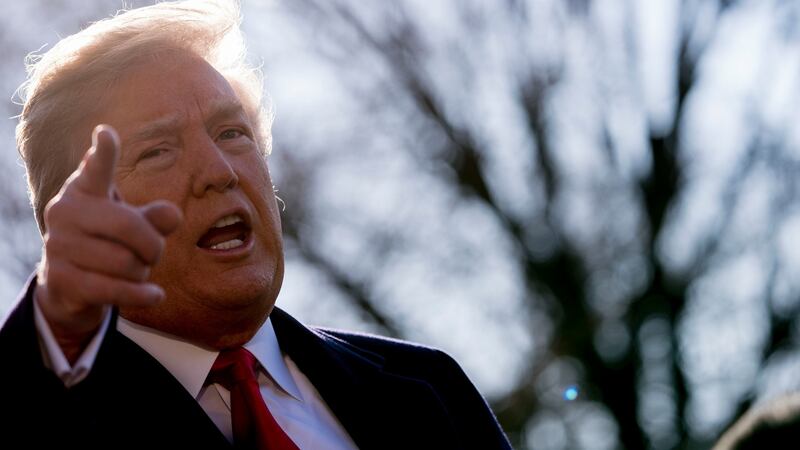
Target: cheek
{"x":254,"y":176}
{"x":256,"y":182}
{"x":132,"y":189}
{"x":141,"y":189}
{"x":260,"y":170}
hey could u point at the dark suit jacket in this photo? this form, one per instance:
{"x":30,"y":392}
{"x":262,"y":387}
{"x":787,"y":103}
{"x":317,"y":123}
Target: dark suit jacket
{"x":386,"y":393}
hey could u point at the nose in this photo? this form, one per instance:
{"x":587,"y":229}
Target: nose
{"x":213,"y":170}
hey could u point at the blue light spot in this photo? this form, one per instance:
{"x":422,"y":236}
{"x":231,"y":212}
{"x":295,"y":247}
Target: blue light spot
{"x":571,"y":393}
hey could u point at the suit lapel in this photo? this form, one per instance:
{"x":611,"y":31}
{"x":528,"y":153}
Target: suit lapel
{"x":137,"y":392}
{"x":379,"y":409}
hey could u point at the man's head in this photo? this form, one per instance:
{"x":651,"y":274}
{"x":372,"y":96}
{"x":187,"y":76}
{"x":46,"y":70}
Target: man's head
{"x":172,"y":81}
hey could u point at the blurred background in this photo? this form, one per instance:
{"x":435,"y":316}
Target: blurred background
{"x":592,"y":205}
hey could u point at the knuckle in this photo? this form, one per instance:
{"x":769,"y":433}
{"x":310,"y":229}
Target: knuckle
{"x":149,"y":243}
{"x":75,"y":289}
{"x":53,"y":208}
{"x":85,"y":289}
{"x":77,"y":173}
{"x":129,"y":262}
{"x":134,"y":232}
{"x":130,"y":265}
{"x":156,"y":248}
{"x":70,"y":184}
{"x":130,"y":226}
{"x":145,"y":273}
{"x":49,"y":242}
{"x":126,"y":223}
{"x":117,"y":222}
{"x":57,"y":276}
{"x":59,"y":208}
{"x":53,"y":243}
{"x":96,"y":289}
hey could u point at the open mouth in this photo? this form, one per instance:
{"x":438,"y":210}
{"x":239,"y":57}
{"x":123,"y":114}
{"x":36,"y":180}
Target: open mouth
{"x":229,"y":232}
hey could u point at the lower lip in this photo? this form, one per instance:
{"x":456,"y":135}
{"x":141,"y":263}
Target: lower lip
{"x":232,"y":253}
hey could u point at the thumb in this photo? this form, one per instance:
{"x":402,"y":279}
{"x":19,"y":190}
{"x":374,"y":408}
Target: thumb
{"x":163,"y":215}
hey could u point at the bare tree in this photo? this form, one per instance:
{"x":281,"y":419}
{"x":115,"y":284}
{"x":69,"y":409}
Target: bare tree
{"x":604,"y":301}
{"x":614,"y":267}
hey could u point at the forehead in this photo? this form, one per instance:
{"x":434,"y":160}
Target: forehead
{"x":183,"y":87}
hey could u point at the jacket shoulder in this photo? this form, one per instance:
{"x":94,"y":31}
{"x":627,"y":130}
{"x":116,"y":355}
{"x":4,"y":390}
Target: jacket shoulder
{"x":395,"y":353}
{"x":467,"y":409}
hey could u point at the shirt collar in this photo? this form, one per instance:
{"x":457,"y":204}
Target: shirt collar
{"x":190,"y":363}
{"x":264,"y":346}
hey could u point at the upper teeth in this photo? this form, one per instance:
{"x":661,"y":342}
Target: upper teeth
{"x":227,"y":220}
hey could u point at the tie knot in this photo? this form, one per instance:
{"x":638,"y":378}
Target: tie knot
{"x":233,"y":367}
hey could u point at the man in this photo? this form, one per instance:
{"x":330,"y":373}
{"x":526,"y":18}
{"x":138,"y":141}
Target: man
{"x":150,"y":321}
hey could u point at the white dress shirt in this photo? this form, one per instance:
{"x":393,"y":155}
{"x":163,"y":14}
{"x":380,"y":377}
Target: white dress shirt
{"x":291,"y":398}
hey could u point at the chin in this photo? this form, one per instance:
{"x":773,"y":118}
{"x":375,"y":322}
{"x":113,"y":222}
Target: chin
{"x":207,"y":303}
{"x":215,"y":318}
{"x":243,"y":287}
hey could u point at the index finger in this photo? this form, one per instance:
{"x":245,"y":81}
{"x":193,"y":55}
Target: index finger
{"x":97,"y":171}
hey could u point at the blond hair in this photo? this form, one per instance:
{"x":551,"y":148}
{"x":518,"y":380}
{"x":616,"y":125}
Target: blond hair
{"x":65,"y":83}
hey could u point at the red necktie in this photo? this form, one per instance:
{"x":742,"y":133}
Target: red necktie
{"x":253,"y":425}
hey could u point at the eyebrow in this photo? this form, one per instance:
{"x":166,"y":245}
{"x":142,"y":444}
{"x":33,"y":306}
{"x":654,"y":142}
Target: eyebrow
{"x":223,"y":109}
{"x":157,"y":127}
{"x":219,"y":110}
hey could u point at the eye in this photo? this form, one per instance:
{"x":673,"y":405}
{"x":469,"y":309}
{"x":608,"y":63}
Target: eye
{"x":152,"y":153}
{"x":231,"y":133}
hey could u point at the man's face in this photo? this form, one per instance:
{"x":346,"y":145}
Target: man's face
{"x":187,"y":139}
